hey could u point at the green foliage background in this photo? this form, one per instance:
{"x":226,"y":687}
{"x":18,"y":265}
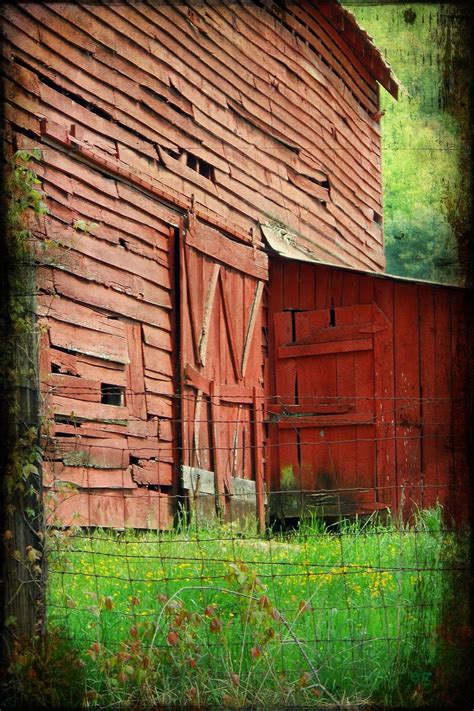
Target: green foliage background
{"x":425,"y":149}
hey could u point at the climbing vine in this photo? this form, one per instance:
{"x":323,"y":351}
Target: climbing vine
{"x":22,"y":452}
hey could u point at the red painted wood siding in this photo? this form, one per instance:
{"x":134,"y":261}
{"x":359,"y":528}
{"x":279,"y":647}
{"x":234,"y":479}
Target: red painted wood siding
{"x":105,"y":307}
{"x":252,"y":115}
{"x":222,"y":360}
{"x":413,"y":450}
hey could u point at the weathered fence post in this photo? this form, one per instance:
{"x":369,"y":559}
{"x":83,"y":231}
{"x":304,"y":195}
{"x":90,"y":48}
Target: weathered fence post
{"x":21,"y":495}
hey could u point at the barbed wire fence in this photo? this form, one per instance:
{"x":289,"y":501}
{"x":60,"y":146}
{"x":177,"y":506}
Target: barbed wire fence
{"x":337,"y":609}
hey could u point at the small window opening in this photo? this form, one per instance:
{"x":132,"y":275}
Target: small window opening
{"x":206,"y":170}
{"x":112,"y":394}
{"x":200,"y":166}
{"x":191,"y":161}
{"x":377,"y":218}
{"x":332,"y":315}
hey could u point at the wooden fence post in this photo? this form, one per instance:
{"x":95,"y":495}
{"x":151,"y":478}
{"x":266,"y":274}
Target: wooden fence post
{"x":21,"y":516}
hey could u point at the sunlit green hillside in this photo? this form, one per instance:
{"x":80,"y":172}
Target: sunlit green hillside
{"x":425,"y":136}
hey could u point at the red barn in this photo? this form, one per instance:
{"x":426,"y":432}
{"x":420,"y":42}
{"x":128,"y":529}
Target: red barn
{"x":200,"y":165}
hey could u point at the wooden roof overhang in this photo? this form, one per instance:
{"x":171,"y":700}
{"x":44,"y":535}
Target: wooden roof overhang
{"x":360,"y":42}
{"x":288,"y":246}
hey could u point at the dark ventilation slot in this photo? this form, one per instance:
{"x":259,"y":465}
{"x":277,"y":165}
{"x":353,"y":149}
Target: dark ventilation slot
{"x":192,"y":161}
{"x":293,"y":326}
{"x":66,"y":420}
{"x":112,"y":394}
{"x":377,"y":218}
{"x":173,"y":154}
{"x":200,"y":166}
{"x":332,"y":315}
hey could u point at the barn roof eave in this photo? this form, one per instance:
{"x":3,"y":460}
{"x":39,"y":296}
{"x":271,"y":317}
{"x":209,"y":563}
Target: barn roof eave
{"x":283,"y":244}
{"x":361,"y":43}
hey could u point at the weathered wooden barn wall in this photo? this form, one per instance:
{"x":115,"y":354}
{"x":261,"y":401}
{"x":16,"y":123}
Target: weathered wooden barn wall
{"x":369,"y":393}
{"x":107,"y":369}
{"x":258,"y":117}
{"x":169,"y":134}
{"x":223,"y":372}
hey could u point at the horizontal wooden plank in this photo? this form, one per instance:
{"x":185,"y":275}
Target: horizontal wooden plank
{"x":150,"y":448}
{"x":241,"y":257}
{"x":157,"y":360}
{"x":114,"y":255}
{"x":75,"y":387}
{"x":157,"y":337}
{"x":79,"y":315}
{"x":319,"y":407}
{"x":159,"y":387}
{"x":153,"y":472}
{"x":94,"y":452}
{"x":363,"y":344}
{"x":113,"y":301}
{"x":72,"y":408}
{"x":349,"y":419}
{"x":159,"y":405}
{"x":86,"y":477}
{"x":105,"y":346}
{"x":128,"y":508}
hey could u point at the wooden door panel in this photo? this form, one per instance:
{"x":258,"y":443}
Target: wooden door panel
{"x":222,"y":367}
{"x":326,"y":418}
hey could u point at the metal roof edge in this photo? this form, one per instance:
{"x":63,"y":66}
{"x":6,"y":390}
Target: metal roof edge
{"x":290,"y":250}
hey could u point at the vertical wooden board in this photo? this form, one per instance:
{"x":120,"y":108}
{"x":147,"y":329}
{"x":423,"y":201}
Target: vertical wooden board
{"x":444,"y":451}
{"x":217,"y":451}
{"x":311,"y":459}
{"x":287,"y":476}
{"x":136,"y":396}
{"x":428,"y":495}
{"x":203,"y":425}
{"x":366,"y":445}
{"x":346,"y":364}
{"x":286,"y":370}
{"x":275,"y":305}
{"x":383,"y":291}
{"x":384,"y":359}
{"x":210,"y":311}
{"x":407,"y":393}
{"x":344,"y":442}
{"x":231,"y":292}
{"x":307,"y":276}
{"x":366,"y":289}
{"x":258,"y":441}
{"x":336,"y":286}
{"x":345,"y":447}
{"x":460,"y":408}
{"x":384,"y":392}
{"x":291,"y":288}
{"x":350,"y":289}
{"x":193,"y":272}
{"x":251,"y":352}
{"x":322,"y":298}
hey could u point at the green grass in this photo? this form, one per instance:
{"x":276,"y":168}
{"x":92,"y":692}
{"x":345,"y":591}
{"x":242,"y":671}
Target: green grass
{"x":307,"y":618}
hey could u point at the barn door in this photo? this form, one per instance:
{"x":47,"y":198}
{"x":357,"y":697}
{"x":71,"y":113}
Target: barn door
{"x":330,"y":411}
{"x":222,"y":373}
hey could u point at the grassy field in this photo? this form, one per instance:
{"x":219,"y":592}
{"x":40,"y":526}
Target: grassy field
{"x":308,"y":618}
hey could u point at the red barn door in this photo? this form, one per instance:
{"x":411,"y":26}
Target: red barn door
{"x":332,"y":413}
{"x":222,"y":372}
